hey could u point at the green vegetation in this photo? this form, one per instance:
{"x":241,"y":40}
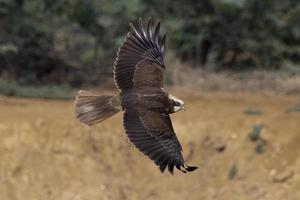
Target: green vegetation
{"x":251,"y":111}
{"x":46,"y":92}
{"x":74,"y":42}
{"x":294,"y":108}
{"x":254,"y":135}
{"x":260,"y":148}
{"x":232,"y":172}
{"x":234,"y":35}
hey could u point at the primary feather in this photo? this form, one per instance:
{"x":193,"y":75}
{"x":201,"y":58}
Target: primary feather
{"x":138,"y":45}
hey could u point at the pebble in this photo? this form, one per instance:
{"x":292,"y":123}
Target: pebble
{"x":283,"y":176}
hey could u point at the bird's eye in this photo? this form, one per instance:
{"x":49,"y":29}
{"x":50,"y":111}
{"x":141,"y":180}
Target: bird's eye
{"x":177,"y":103}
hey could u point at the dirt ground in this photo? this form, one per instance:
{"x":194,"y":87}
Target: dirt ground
{"x":46,"y":154}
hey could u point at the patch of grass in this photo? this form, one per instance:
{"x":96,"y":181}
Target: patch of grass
{"x":232,"y":171}
{"x":251,"y":111}
{"x":260,"y":148}
{"x":10,"y":88}
{"x":254,"y":135}
{"x":295,"y":108}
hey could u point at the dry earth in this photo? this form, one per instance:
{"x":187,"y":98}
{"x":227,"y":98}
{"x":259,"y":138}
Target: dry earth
{"x":46,"y":154}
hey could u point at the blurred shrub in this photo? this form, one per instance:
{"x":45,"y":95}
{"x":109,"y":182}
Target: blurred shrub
{"x":254,"y":135}
{"x":295,"y":108}
{"x":8,"y":48}
{"x":260,"y":147}
{"x":75,"y":41}
{"x":236,"y":35}
{"x":232,"y":172}
{"x":46,"y":92}
{"x":251,"y":111}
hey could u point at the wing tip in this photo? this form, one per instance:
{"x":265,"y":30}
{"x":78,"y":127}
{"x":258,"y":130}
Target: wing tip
{"x":180,"y":167}
{"x":149,"y":34}
{"x":191,"y":168}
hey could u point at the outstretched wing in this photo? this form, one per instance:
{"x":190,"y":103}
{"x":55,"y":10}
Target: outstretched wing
{"x":140,"y":48}
{"x":152,"y":133}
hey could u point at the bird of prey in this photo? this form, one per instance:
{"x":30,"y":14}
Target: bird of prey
{"x":138,"y":75}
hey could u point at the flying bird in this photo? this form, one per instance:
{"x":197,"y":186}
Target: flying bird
{"x":138,"y":75}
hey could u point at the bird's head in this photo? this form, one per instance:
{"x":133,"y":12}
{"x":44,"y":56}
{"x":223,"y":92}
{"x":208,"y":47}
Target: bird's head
{"x":176,"y":104}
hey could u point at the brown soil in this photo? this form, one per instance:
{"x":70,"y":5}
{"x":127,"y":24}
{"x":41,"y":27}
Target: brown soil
{"x":47,"y":154}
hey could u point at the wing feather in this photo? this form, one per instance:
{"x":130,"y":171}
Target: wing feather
{"x":164,"y":149}
{"x":148,"y":75}
{"x":140,"y":45}
{"x":156,"y":32}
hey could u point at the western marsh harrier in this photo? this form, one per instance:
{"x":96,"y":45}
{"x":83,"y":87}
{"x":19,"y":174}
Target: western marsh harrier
{"x":138,"y":74}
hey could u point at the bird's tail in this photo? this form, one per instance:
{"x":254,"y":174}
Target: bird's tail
{"x":91,"y":109}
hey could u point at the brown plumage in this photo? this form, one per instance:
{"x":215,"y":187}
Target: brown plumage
{"x":138,"y":74}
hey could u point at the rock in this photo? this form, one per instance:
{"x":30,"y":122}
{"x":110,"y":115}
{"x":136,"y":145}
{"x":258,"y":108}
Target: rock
{"x":233,"y":136}
{"x":39,"y":122}
{"x":220,"y":147}
{"x":217,"y":143}
{"x":283,"y":176}
{"x":273,"y":172}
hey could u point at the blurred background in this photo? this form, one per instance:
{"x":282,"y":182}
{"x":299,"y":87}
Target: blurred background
{"x":236,"y":64}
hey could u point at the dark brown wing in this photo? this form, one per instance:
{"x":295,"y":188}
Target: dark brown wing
{"x":152,"y":133}
{"x":139,"y":47}
{"x":148,"y":74}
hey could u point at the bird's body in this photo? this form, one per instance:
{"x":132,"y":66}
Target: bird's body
{"x":149,"y":98}
{"x":138,"y":74}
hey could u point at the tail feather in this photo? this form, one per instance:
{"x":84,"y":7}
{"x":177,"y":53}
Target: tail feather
{"x":91,"y":109}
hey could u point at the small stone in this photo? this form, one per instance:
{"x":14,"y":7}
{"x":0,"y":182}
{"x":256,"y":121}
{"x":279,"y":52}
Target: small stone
{"x":273,"y":172}
{"x":220,"y":147}
{"x":103,"y":187}
{"x":39,"y":122}
{"x":233,"y":136}
{"x":217,"y":143}
{"x":283,"y":176}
